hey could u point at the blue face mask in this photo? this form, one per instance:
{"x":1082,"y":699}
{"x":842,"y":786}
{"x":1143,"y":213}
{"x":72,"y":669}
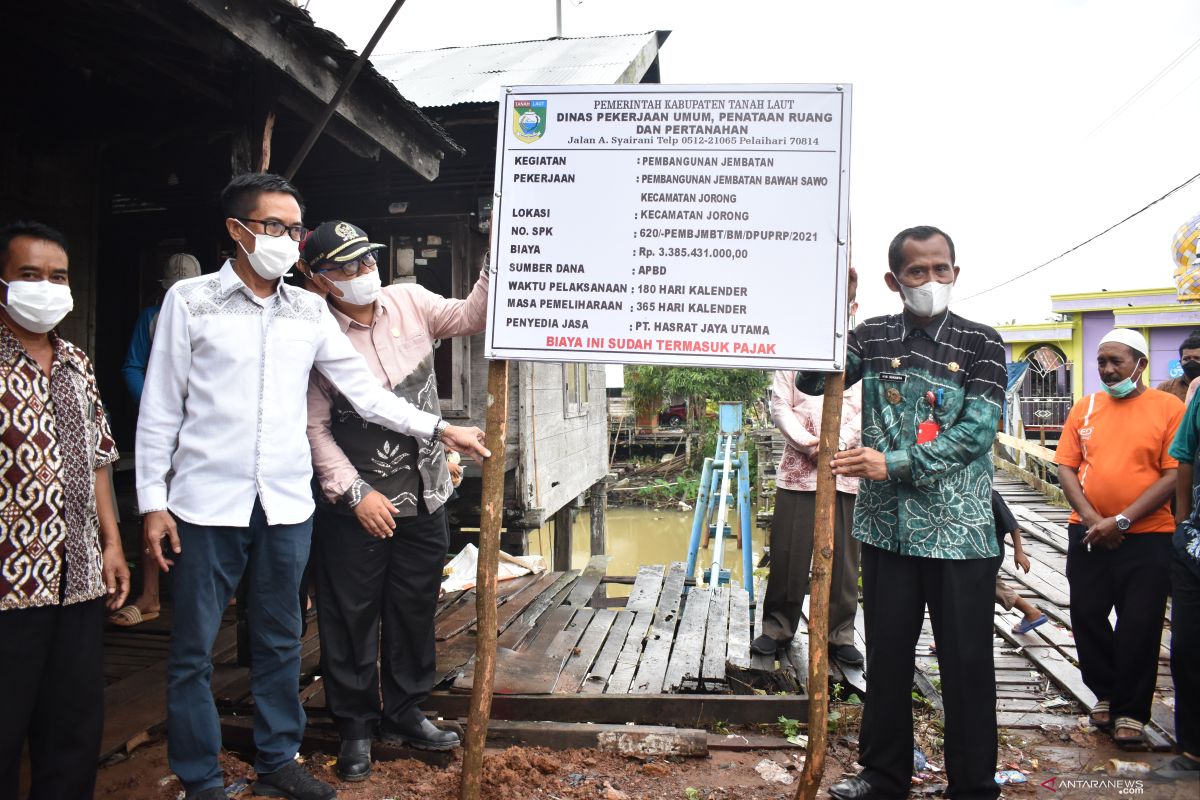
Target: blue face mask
{"x":1122,"y":388}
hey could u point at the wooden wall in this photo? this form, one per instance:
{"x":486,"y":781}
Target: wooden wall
{"x":561,"y":455}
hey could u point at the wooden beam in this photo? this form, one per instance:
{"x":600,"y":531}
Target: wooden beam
{"x":344,"y":87}
{"x":677,"y":710}
{"x":599,"y":508}
{"x":1025,"y":446}
{"x":303,"y":68}
{"x":238,"y":732}
{"x":627,"y":740}
{"x":562,"y":539}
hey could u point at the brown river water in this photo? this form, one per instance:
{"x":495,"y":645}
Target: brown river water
{"x":638,"y":536}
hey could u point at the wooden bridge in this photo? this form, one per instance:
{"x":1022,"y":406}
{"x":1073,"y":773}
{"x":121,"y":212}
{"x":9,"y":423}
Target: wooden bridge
{"x":669,"y":654}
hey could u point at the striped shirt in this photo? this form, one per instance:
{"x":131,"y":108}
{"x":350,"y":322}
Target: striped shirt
{"x":937,"y":499}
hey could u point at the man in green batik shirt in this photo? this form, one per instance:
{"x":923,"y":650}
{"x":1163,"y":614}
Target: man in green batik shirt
{"x":933,"y":383}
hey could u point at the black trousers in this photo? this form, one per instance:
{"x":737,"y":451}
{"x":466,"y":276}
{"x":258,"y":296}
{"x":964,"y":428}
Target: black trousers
{"x":52,"y":671}
{"x":1185,"y":652}
{"x":791,"y":559}
{"x":960,"y":596}
{"x":361,"y":581}
{"x":1120,"y":665}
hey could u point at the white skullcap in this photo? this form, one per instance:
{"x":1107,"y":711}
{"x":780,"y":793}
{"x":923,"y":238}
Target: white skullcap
{"x":1127,"y":337}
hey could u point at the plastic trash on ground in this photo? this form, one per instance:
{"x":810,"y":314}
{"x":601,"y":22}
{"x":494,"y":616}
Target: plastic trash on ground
{"x":461,"y":569}
{"x":1008,"y":776}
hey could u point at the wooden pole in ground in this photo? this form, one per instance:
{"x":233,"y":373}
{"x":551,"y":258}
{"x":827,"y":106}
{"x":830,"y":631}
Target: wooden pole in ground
{"x":599,"y":509}
{"x":822,"y":563}
{"x":491,"y":519}
{"x":561,"y":561}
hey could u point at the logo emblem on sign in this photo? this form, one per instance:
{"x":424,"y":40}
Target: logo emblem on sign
{"x":529,"y":120}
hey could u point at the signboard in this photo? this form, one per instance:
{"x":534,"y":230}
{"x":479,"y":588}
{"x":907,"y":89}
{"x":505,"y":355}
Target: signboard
{"x":678,"y":225}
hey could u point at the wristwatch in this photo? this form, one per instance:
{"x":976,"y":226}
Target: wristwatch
{"x":438,"y":429}
{"x":1123,"y":522}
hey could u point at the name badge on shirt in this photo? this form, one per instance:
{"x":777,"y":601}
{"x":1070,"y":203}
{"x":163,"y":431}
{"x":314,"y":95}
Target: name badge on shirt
{"x":891,"y":377}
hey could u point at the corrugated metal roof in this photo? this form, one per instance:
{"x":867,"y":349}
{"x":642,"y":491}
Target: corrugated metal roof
{"x":454,"y":75}
{"x":299,"y":23}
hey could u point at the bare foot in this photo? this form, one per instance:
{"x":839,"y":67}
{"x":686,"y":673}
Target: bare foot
{"x":148,"y":605}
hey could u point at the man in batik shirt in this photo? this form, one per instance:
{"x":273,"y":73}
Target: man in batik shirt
{"x":932,"y":386}
{"x":60,"y":551}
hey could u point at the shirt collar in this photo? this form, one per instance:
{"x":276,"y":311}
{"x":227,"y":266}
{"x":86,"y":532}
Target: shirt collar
{"x":345,"y":323}
{"x":934,"y":329}
{"x":11,"y":350}
{"x":231,"y":281}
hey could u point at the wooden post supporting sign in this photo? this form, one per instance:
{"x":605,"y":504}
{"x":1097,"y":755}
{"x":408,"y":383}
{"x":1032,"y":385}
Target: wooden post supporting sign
{"x":822,"y":563}
{"x":491,"y":520}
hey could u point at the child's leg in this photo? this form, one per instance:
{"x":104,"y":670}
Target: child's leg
{"x":1030,"y":611}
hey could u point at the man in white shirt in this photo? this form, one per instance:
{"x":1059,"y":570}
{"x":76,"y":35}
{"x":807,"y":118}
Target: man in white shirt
{"x":224,"y":472}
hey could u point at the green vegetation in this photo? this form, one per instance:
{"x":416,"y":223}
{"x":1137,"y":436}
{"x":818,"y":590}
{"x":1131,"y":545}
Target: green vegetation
{"x":791,"y":727}
{"x":650,"y":387}
{"x":684,"y":487}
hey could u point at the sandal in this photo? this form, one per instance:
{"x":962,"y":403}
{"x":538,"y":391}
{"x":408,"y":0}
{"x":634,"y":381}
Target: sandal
{"x":1134,"y":731}
{"x":1096,"y":720}
{"x":1026,"y":625}
{"x":130,"y":616}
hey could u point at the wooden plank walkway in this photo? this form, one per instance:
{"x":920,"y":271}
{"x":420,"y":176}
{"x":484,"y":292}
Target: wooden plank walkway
{"x":1032,"y":670}
{"x":556,"y":650}
{"x":674,"y":651}
{"x":1051,"y":647}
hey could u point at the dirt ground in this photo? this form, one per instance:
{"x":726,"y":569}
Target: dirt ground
{"x":517,"y":773}
{"x":521,"y":773}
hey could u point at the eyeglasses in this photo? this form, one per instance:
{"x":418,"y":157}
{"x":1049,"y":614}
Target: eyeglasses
{"x":351,"y":268}
{"x":273,"y":227}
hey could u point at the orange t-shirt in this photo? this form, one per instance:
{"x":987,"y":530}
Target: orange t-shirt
{"x":1119,"y":448}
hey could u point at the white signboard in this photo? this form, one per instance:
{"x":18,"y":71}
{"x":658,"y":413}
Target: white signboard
{"x":679,"y":225}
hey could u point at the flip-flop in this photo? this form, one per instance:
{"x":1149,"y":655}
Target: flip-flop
{"x":130,"y":616}
{"x":1101,"y":707}
{"x":1128,"y":724}
{"x":1025,"y":625}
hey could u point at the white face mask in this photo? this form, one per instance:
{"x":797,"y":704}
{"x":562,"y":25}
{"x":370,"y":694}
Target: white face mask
{"x":928,"y":299}
{"x":37,"y":306}
{"x":273,"y":256}
{"x":361,"y":290}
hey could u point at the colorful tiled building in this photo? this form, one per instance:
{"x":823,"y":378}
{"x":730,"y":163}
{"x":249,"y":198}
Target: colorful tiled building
{"x":1061,"y":354}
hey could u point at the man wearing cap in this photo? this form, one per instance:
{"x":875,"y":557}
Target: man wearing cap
{"x":1118,"y":475}
{"x":224,"y":472}
{"x":381,"y":533}
{"x":179,"y":266}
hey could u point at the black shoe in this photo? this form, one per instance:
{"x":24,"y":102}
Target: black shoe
{"x":764,"y":646}
{"x":1177,"y":769}
{"x":420,"y":733}
{"x":847,"y":654}
{"x":211,"y":793}
{"x":851,"y":787}
{"x":354,"y":760}
{"x":292,"y":782}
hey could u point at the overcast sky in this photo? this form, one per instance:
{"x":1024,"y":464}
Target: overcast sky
{"x":985,"y":119}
